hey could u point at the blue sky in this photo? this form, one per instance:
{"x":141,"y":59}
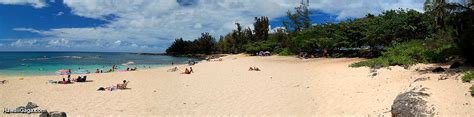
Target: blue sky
{"x":151,"y":25}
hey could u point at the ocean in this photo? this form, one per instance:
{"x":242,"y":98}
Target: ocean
{"x":48,"y":63}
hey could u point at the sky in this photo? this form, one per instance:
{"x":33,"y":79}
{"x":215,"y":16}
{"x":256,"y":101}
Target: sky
{"x":152,"y":25}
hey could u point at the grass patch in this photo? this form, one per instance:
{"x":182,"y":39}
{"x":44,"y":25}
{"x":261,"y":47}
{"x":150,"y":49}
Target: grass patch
{"x":412,"y":52}
{"x":472,"y":90}
{"x":468,"y":76}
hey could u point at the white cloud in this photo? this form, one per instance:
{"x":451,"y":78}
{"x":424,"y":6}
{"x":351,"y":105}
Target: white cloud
{"x":145,"y":24}
{"x":24,"y":43}
{"x":358,"y":8}
{"x":27,"y":30}
{"x":58,"y":43}
{"x":34,"y":3}
{"x":60,"y":13}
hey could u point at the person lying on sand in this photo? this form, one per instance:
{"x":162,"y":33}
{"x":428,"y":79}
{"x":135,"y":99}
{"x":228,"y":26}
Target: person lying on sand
{"x":173,"y":69}
{"x":110,"y":88}
{"x":64,"y":81}
{"x":254,"y":69}
{"x":81,"y":79}
{"x":133,"y":69}
{"x":3,"y":81}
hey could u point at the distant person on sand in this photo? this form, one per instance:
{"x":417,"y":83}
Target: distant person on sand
{"x":186,"y":71}
{"x":173,"y":69}
{"x":68,"y":81}
{"x":325,"y":53}
{"x":254,"y":69}
{"x":97,"y":71}
{"x":191,"y":70}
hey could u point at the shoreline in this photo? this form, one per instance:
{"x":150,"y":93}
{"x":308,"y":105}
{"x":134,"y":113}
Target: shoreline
{"x":284,"y":86}
{"x":152,"y":66}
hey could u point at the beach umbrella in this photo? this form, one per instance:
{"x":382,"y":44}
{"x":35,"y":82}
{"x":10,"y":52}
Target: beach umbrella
{"x":63,"y":72}
{"x":128,"y":63}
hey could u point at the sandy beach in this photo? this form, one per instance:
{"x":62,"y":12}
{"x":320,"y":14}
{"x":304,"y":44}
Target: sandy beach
{"x":285,"y":86}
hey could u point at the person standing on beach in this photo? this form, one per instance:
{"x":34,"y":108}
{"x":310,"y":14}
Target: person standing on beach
{"x":113,"y":67}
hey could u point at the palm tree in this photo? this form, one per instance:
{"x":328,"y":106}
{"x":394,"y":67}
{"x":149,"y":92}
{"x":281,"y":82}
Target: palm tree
{"x":437,"y":9}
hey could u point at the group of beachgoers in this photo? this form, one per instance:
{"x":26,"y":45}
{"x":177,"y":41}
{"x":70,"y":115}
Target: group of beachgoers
{"x":186,"y":70}
{"x":114,"y":67}
{"x":262,"y":53}
{"x":69,"y":80}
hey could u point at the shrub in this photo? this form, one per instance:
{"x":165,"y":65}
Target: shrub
{"x":371,"y":63}
{"x":412,"y":52}
{"x":468,"y":76}
{"x":285,"y":52}
{"x":472,"y":90}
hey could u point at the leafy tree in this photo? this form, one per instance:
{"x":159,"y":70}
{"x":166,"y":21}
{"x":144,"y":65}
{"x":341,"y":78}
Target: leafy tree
{"x":205,"y":44}
{"x":261,"y":28}
{"x":178,"y":47}
{"x":299,"y":20}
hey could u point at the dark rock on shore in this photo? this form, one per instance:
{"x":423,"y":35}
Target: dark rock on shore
{"x":438,"y":70}
{"x":455,"y":65}
{"x":413,"y":103}
{"x":53,"y":114}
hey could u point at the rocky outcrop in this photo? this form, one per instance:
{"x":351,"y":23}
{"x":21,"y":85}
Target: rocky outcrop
{"x":438,"y":70}
{"x":455,"y":65}
{"x":53,"y":114}
{"x":413,"y":103}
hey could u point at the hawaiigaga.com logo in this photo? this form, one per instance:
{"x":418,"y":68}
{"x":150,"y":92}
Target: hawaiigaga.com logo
{"x":23,"y":110}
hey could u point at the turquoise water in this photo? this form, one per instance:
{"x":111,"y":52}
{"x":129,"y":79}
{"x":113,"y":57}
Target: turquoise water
{"x":47,"y":63}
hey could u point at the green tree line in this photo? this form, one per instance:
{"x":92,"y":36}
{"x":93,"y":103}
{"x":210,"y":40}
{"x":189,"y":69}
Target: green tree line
{"x":369,"y":36}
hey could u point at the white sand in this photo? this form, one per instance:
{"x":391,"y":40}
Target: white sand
{"x":285,"y":86}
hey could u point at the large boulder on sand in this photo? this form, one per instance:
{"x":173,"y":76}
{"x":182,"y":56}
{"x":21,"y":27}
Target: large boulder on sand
{"x":44,"y":114}
{"x":438,"y":70}
{"x":413,"y":103}
{"x":455,"y":65}
{"x":53,"y":114}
